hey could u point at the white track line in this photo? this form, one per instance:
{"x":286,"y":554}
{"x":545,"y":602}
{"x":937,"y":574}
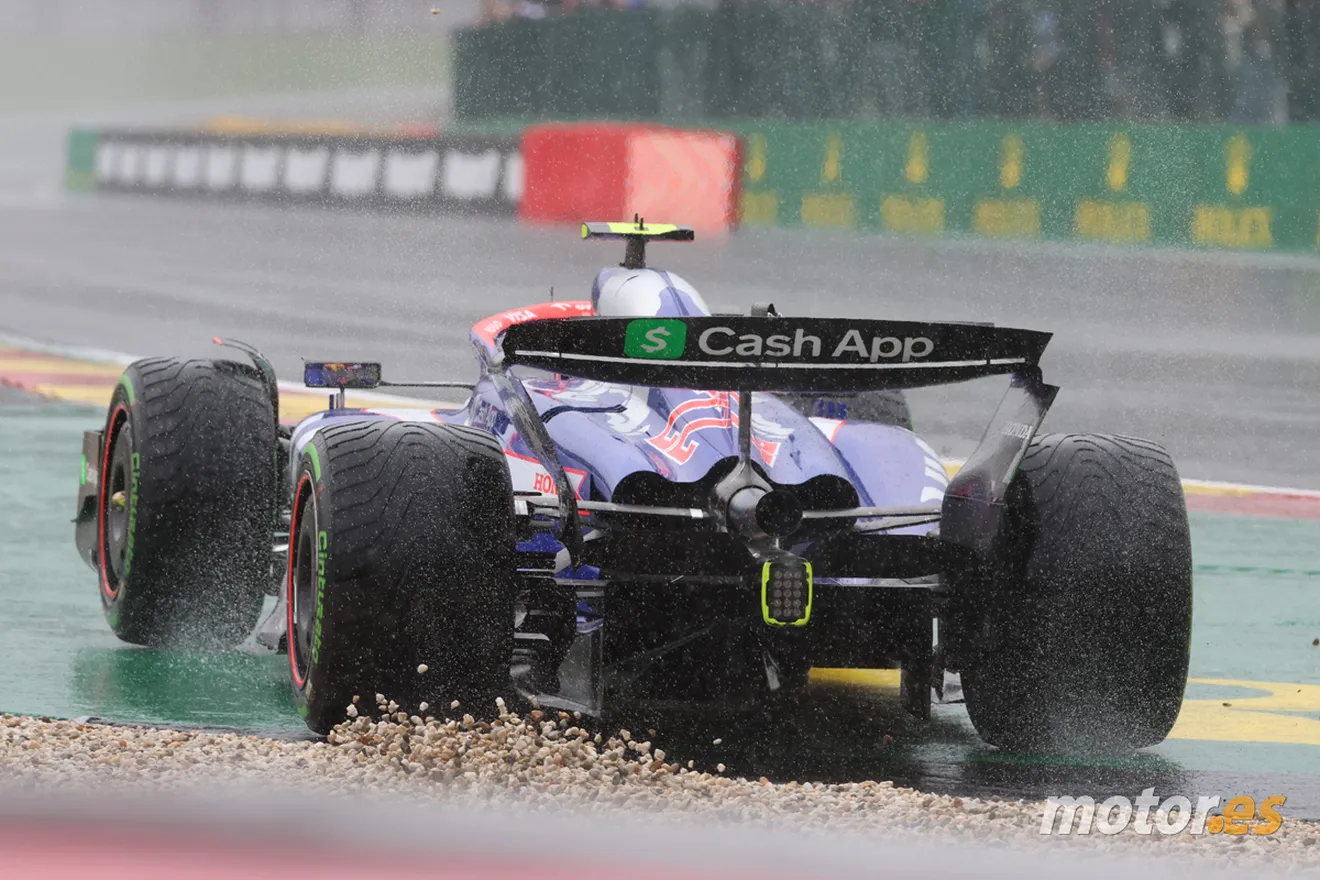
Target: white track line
{"x":117,"y":357}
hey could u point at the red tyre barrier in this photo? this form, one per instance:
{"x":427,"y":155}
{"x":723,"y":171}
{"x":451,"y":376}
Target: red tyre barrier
{"x":571,"y":172}
{"x":579,"y":171}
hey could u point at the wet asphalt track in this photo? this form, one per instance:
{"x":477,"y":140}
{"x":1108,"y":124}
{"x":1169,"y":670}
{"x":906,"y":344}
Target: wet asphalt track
{"x":1215,"y":355}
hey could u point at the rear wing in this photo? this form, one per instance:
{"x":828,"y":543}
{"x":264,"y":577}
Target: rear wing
{"x":772,"y":353}
{"x":828,"y":355}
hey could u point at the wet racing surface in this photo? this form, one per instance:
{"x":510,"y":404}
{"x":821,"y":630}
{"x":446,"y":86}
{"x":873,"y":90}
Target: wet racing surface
{"x":1212,"y":355}
{"x":1250,"y":724}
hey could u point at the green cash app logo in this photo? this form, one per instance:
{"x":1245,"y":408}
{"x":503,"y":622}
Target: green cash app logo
{"x":655,"y":338}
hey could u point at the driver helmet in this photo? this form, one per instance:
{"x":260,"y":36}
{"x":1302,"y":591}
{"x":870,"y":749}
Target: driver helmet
{"x":645,"y":293}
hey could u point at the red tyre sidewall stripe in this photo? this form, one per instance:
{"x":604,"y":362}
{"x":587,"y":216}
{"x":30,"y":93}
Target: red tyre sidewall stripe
{"x":105,"y":484}
{"x":305,"y":481}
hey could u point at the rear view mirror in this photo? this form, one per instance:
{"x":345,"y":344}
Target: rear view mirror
{"x":341,"y":375}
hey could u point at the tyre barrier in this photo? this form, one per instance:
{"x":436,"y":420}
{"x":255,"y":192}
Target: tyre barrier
{"x":579,"y":170}
{"x":458,"y":174}
{"x":553,"y":173}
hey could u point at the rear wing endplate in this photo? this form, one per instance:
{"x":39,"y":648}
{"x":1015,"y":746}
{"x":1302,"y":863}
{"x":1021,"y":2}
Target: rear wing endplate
{"x":974,"y":502}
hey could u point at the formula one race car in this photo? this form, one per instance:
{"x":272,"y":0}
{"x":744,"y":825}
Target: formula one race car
{"x":644,"y":506}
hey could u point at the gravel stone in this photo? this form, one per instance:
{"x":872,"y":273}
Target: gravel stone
{"x":540,"y":762}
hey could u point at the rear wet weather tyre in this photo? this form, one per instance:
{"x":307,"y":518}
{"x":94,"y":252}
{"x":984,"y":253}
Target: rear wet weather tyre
{"x":186,"y":503}
{"x":1081,"y":633}
{"x":401,"y":576}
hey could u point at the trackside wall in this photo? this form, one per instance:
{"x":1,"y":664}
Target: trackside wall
{"x":1211,"y":186}
{"x":1254,"y":188}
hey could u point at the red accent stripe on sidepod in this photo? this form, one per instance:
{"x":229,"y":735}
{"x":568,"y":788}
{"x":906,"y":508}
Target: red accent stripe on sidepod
{"x":489,"y":327}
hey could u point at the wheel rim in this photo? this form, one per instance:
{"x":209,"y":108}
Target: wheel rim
{"x":302,"y":583}
{"x":116,"y":503}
